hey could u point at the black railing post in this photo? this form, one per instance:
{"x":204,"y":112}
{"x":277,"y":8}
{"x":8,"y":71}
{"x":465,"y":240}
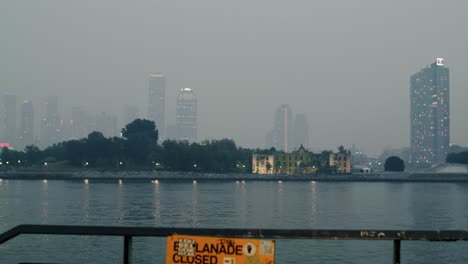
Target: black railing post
{"x":396,"y":251}
{"x":127,"y":250}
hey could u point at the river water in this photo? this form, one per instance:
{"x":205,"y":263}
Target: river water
{"x":295,"y":205}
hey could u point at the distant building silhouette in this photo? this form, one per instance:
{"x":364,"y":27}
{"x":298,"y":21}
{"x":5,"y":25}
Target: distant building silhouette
{"x":130,"y":114}
{"x":51,"y":123}
{"x":186,"y":115}
{"x":26,"y":133}
{"x":430,"y":114}
{"x":171,"y":131}
{"x":81,"y":123}
{"x":107,"y":125}
{"x":280,"y":137}
{"x":301,"y":132}
{"x":9,"y":118}
{"x":156,"y":103}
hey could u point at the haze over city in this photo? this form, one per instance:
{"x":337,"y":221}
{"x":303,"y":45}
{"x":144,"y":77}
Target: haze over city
{"x":345,"y":64}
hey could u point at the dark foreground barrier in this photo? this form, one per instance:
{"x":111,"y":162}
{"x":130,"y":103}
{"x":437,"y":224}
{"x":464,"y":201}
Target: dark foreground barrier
{"x":129,"y":232}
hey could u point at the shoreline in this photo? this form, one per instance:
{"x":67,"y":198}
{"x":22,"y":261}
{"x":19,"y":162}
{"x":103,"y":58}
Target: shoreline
{"x":148,"y":176}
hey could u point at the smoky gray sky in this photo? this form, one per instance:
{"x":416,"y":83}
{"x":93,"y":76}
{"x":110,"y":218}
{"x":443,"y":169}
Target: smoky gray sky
{"x":346,"y":64}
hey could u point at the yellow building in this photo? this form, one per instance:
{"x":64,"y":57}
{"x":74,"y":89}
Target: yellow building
{"x":299,"y":161}
{"x":302,"y":161}
{"x":340,"y":162}
{"x":263,"y":164}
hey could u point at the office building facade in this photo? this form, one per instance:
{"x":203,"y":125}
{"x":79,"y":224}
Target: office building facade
{"x":186,"y":115}
{"x":156,"y":103}
{"x":26,"y":135}
{"x":280,"y":137}
{"x":9,"y":118}
{"x":301,"y":132}
{"x":430,"y":114}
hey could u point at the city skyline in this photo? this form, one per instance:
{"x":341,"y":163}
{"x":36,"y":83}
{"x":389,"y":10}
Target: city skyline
{"x":282,"y":136}
{"x":345,"y":65}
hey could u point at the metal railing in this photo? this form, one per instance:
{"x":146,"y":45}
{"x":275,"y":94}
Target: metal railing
{"x":129,"y":232}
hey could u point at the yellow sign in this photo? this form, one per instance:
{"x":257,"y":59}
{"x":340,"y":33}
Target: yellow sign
{"x":218,"y":250}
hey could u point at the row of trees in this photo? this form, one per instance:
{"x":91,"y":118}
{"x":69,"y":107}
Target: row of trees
{"x":137,"y":148}
{"x":461,"y":157}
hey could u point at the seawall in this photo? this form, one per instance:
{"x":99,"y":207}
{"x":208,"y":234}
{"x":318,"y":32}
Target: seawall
{"x":136,"y":176}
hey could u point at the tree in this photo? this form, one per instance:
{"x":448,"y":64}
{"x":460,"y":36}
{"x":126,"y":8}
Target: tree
{"x":394,"y":163}
{"x":32,"y":154}
{"x":141,"y":138}
{"x":141,"y":127}
{"x":341,"y":150}
{"x":461,"y":157}
{"x":95,"y":148}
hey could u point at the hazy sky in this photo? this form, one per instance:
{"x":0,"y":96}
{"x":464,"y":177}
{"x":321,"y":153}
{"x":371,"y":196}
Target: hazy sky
{"x":346,"y":64}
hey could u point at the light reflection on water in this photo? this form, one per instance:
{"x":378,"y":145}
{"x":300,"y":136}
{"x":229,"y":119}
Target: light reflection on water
{"x":302,"y":205}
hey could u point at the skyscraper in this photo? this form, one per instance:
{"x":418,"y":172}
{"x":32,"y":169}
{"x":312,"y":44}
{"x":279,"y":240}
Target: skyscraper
{"x":50,"y":123}
{"x":281,"y":136}
{"x":430,"y":116}
{"x":81,"y":122}
{"x":156,"y":103}
{"x":107,"y":124}
{"x":301,"y":131}
{"x":186,"y":115}
{"x":9,"y":118}
{"x":26,"y":135}
{"x":130,"y":114}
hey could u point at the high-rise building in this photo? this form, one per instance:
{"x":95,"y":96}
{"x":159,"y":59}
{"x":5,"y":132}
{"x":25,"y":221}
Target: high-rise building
{"x":301,"y":131}
{"x":430,"y":114}
{"x":82,"y":123}
{"x":9,"y":118}
{"x":107,"y":125}
{"x":186,"y":115}
{"x":130,"y":114}
{"x":50,"y":123}
{"x":281,"y":136}
{"x":26,"y":133}
{"x":156,"y":103}
{"x":171,"y":131}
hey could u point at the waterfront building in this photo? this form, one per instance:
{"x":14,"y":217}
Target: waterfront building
{"x":26,"y":133}
{"x":302,"y":161}
{"x":280,"y":137}
{"x":156,"y":103}
{"x":186,"y":115}
{"x":301,"y":131}
{"x":9,"y":118}
{"x":341,"y":162}
{"x":430,"y":114}
{"x":263,"y":163}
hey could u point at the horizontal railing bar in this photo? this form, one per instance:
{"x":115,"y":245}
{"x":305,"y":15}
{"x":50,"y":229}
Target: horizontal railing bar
{"x":446,"y":235}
